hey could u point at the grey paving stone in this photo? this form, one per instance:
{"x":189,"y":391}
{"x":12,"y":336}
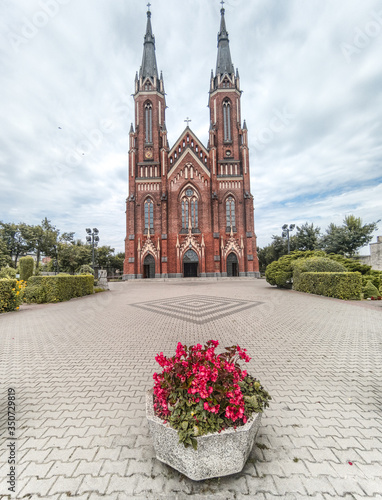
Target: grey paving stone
{"x":81,"y":369}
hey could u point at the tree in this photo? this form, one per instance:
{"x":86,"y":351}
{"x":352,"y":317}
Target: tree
{"x":16,"y":238}
{"x":348,"y":238}
{"x":44,"y":238}
{"x":116,"y":261}
{"x":104,"y":256}
{"x":73,"y":255}
{"x":274,"y":251}
{"x":307,"y":237}
{"x":5,"y":258}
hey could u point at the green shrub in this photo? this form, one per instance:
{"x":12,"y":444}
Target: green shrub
{"x":280,"y":272}
{"x":374,"y":276}
{"x":369,"y":290}
{"x":8,"y":273}
{"x":85,"y":269}
{"x":346,"y":286}
{"x":11,"y":294}
{"x":26,"y":268}
{"x":35,"y":294}
{"x":350,"y":264}
{"x":319,"y":265}
{"x":58,"y":288}
{"x":314,"y":265}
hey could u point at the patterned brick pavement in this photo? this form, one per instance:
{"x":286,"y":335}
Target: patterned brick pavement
{"x":81,"y":369}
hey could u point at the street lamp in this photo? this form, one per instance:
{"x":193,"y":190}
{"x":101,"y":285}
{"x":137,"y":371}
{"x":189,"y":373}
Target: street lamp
{"x":286,"y":231}
{"x":93,"y":239}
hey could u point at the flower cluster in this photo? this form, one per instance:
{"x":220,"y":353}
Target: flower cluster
{"x":11,"y":294}
{"x":200,"y":391}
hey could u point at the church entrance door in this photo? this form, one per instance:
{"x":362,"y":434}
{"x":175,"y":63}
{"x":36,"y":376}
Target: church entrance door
{"x":149,"y":267}
{"x":190,"y":264}
{"x":232,"y":265}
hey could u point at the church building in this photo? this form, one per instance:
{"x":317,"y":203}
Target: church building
{"x":190,"y":209}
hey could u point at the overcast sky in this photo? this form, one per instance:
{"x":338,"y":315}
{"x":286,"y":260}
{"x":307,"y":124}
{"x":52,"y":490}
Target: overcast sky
{"x":311,"y":72}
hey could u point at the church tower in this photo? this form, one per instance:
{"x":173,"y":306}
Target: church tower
{"x":228,"y":142}
{"x":190,"y":211}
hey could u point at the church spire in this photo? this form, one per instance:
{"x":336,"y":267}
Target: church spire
{"x":224,"y":61}
{"x":149,"y":63}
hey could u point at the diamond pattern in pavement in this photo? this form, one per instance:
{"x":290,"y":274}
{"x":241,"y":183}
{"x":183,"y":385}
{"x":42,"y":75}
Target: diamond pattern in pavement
{"x":197,"y":309}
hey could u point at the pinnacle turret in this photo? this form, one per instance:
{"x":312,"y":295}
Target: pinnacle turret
{"x":224,"y":61}
{"x":149,"y":63}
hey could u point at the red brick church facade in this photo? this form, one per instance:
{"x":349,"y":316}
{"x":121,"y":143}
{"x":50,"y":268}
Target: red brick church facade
{"x":190,"y":209}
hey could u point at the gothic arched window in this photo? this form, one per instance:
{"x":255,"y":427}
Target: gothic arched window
{"x":230,"y":211}
{"x":149,"y":215}
{"x":227,"y":120}
{"x":148,"y":122}
{"x":190,"y":210}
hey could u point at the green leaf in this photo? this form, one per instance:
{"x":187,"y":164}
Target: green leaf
{"x":184,"y":425}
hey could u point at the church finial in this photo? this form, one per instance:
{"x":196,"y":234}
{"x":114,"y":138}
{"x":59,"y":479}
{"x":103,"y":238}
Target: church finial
{"x":224,"y":61}
{"x":149,"y":63}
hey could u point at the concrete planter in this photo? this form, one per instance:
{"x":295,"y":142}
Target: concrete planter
{"x":217,"y":454}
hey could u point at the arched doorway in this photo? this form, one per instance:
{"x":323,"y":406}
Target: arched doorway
{"x":190,"y":264}
{"x":149,"y":266}
{"x":232,"y":265}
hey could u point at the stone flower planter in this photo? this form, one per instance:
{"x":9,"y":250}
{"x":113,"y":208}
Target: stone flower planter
{"x":217,"y":454}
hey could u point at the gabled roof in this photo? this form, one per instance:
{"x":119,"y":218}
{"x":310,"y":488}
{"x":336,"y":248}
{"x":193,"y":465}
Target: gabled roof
{"x":189,"y":151}
{"x":183,"y":134}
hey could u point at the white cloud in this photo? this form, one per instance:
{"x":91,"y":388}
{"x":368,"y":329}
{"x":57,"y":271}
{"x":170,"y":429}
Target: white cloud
{"x":67,"y":106}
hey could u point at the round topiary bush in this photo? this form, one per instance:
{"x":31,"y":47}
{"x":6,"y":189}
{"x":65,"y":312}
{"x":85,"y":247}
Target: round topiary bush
{"x":369,"y":290}
{"x":85,"y":269}
{"x":318,"y":265}
{"x":8,"y":273}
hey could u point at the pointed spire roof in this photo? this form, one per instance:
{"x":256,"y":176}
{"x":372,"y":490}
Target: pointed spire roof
{"x":149,"y":63}
{"x":224,"y":61}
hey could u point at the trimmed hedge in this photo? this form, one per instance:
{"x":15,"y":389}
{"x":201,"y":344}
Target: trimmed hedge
{"x":280,"y":272}
{"x":26,"y":268}
{"x":11,"y":294}
{"x":58,"y":288}
{"x":346,"y":286}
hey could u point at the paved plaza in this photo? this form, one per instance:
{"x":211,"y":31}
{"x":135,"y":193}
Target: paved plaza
{"x":80,"y":370}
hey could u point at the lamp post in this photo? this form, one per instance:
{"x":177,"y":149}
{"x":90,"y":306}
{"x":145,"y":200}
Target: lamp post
{"x":93,"y":239}
{"x":286,"y":231}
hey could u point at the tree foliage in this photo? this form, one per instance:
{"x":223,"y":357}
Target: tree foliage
{"x":307,"y":237}
{"x":348,"y":238}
